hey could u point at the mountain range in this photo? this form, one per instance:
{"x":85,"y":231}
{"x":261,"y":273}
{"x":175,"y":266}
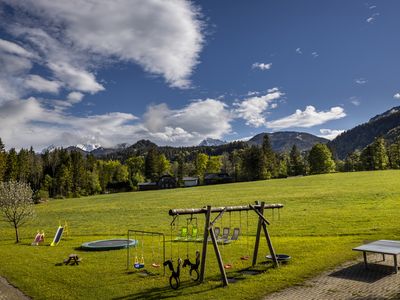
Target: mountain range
{"x":386,"y":125}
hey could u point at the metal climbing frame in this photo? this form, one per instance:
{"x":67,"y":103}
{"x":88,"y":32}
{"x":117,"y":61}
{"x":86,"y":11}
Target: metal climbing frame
{"x":135,"y":233}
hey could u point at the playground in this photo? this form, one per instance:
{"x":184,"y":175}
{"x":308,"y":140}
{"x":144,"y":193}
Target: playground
{"x":321,"y":219}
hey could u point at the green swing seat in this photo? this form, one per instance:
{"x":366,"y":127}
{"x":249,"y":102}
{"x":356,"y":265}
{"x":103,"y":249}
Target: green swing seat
{"x":183,"y":237}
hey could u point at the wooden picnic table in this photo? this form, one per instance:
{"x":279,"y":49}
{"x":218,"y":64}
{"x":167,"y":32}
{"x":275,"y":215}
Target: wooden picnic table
{"x":383,"y":247}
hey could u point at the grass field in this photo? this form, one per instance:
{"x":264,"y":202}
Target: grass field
{"x":324,"y":217}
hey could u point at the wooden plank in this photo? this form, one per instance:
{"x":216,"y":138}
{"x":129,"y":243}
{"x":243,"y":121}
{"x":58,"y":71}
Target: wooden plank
{"x":219,"y":258}
{"x":217,"y":218}
{"x":203,"y":210}
{"x":259,"y":214}
{"x":205,"y":243}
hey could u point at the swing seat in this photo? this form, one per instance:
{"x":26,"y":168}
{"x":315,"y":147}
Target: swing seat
{"x":280,"y":257}
{"x":138,"y":266}
{"x":155,"y":265}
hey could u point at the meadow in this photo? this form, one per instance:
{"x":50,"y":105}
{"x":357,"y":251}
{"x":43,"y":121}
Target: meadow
{"x":324,"y":216}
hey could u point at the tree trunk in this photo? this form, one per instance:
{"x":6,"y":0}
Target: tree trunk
{"x":16,"y":233}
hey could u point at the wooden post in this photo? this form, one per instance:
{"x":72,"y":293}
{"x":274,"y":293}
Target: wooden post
{"x":271,"y":248}
{"x":219,"y":258}
{"x":257,"y":243}
{"x":205,"y":242}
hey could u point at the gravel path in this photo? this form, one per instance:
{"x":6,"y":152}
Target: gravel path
{"x":349,"y":281}
{"x":8,"y":292}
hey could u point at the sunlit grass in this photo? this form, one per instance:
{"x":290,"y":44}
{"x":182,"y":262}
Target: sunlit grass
{"x":324,"y":217}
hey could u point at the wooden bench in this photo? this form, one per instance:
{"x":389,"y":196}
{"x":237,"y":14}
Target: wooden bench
{"x":384,"y":247}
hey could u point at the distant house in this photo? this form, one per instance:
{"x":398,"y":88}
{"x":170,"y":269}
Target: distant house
{"x":217,"y":178}
{"x":147,"y":186}
{"x":190,"y":181}
{"x":167,"y":182}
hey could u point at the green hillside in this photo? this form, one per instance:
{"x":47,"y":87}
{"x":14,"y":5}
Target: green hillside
{"x":323,"y":218}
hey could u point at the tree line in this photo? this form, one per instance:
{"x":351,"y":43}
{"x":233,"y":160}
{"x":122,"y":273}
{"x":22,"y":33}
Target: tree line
{"x":69,"y":173}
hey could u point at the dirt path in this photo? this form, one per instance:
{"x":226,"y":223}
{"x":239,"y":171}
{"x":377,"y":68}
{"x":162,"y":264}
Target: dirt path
{"x":349,"y":281}
{"x":8,"y":292}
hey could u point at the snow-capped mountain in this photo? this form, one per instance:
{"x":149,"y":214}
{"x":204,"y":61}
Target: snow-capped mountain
{"x":50,"y":148}
{"x":211,"y":142}
{"x":88,"y":147}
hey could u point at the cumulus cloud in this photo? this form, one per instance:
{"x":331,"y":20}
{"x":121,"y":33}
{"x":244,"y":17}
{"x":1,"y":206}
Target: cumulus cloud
{"x":190,"y":124}
{"x":396,"y":96}
{"x":163,"y":37}
{"x":298,"y":51}
{"x":39,"y":84}
{"x":75,"y":97}
{"x":261,"y":66}
{"x":330,"y":134}
{"x":314,"y":54}
{"x":307,"y":118}
{"x":252,"y":109}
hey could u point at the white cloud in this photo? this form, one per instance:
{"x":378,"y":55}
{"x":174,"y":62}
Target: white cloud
{"x":298,"y":51}
{"x":372,"y":18}
{"x":315,"y":54}
{"x":360,"y":81}
{"x":355,"y":101}
{"x":75,"y":78}
{"x":75,"y":97}
{"x":252,"y":109}
{"x":372,"y":7}
{"x":396,"y":96}
{"x":40,"y":84}
{"x":164,"y":37}
{"x":12,"y":48}
{"x":329,"y":134}
{"x":307,"y":118}
{"x":261,"y":66}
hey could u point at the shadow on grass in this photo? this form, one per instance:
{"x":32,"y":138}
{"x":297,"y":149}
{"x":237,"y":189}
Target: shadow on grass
{"x":358,"y":272}
{"x":166,"y":292}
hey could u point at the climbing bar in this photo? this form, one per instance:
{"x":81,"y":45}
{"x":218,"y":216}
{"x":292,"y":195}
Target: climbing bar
{"x":203,"y":210}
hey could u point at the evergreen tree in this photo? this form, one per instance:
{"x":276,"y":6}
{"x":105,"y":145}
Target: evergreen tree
{"x":320,"y":160}
{"x":23,"y":165}
{"x":270,"y":162}
{"x":296,"y":164}
{"x":252,"y":164}
{"x":11,"y":172}
{"x":150,"y":164}
{"x":394,"y":155}
{"x":3,"y":160}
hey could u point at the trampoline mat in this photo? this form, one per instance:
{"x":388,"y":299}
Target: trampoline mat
{"x":112,"y":244}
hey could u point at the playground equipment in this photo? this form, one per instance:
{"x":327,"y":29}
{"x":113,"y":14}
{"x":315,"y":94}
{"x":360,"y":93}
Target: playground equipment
{"x":280,"y":257}
{"x":174,"y":280}
{"x":193,"y":267}
{"x":57,"y":237}
{"x":210,"y":231}
{"x":39,"y":238}
{"x":105,"y":245}
{"x":157,"y":251}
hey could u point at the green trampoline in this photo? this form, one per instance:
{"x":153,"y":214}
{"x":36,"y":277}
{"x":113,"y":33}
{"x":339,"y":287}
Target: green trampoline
{"x":105,"y":245}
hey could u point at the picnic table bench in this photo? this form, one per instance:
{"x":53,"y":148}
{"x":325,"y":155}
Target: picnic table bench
{"x":382,"y":247}
{"x":72,"y":259}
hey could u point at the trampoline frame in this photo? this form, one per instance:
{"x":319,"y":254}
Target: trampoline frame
{"x":125,"y":243}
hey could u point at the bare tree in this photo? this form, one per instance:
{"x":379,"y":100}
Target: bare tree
{"x":16,"y":203}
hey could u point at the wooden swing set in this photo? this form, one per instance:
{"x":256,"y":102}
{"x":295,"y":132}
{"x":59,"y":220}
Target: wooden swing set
{"x":258,"y":208}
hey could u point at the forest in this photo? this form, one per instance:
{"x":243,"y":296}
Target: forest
{"x":64,"y":173}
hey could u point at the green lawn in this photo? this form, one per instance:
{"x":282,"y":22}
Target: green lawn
{"x":324,"y":217}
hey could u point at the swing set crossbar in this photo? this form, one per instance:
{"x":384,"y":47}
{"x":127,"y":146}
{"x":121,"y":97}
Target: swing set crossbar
{"x":203,"y":210}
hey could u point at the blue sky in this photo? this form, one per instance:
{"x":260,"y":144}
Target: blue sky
{"x":176,"y":72}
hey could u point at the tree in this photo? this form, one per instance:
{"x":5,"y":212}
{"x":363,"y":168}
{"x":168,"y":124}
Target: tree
{"x":3,"y":160}
{"x":270,"y":163}
{"x":296,"y":164}
{"x":163,"y":165}
{"x":16,"y":204}
{"x":380,"y":158}
{"x":201,"y":164}
{"x":214,"y":164}
{"x":11,"y":171}
{"x":150,"y":164}
{"x":320,"y":160}
{"x":394,"y":154}
{"x":252,"y":164}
